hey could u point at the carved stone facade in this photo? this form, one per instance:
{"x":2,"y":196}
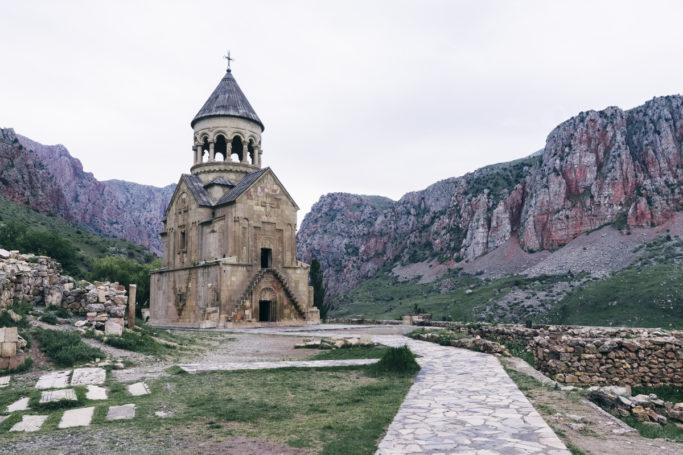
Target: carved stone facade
{"x":230,"y":231}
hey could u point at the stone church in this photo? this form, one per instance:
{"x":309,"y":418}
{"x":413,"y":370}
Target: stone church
{"x":230,"y":230}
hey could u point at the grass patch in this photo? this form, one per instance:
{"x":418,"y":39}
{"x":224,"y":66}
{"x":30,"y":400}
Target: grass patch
{"x":34,"y":402}
{"x":666,"y":393}
{"x":396,"y":361}
{"x":49,"y":318}
{"x":351,"y":352}
{"x":136,"y":341}
{"x":655,"y":431}
{"x":65,"y":349}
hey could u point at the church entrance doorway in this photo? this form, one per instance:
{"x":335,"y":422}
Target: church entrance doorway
{"x":264,"y":310}
{"x":266,"y":258}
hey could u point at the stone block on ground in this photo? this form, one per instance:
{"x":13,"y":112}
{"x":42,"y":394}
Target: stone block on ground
{"x":80,"y":417}
{"x":29,"y":423}
{"x":137,"y":389}
{"x":113,"y":328}
{"x":2,"y":418}
{"x":163,"y":414}
{"x":85,"y":376}
{"x":8,"y":335}
{"x":50,"y":396}
{"x":96,"y":393}
{"x":124,"y":412}
{"x":54,"y":380}
{"x":20,"y":405}
{"x":4,"y":381}
{"x":8,"y":349}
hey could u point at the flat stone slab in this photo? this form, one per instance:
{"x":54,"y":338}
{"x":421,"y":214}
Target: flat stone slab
{"x":96,"y":393}
{"x":137,"y":389}
{"x":163,"y":414}
{"x":54,"y":380}
{"x":85,"y":376}
{"x":4,"y":381}
{"x":2,"y":418}
{"x":29,"y":423}
{"x":58,"y":395}
{"x":124,"y":412}
{"x":20,"y":405}
{"x":232,"y":366}
{"x":464,"y":402}
{"x":80,"y":417}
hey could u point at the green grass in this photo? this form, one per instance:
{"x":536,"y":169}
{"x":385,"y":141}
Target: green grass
{"x":65,"y":349}
{"x":49,"y":318}
{"x":650,"y":296}
{"x":352,"y":352}
{"x":654,"y":431}
{"x":138,"y":342}
{"x":328,"y":411}
{"x":89,"y":245}
{"x":666,"y":393}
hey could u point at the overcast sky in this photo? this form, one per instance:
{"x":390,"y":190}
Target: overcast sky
{"x":372,"y":97}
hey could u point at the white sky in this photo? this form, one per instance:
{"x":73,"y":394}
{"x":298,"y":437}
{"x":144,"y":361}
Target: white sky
{"x":372,"y":97}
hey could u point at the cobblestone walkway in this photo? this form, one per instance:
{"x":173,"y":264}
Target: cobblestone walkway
{"x":230,"y":366}
{"x":463,"y":402}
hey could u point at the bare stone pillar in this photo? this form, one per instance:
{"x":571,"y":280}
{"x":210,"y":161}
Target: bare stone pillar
{"x":212,"y":154}
{"x":228,"y":151}
{"x":258,"y":153}
{"x":245,"y":152}
{"x":198,"y":154}
{"x":131,"y":305}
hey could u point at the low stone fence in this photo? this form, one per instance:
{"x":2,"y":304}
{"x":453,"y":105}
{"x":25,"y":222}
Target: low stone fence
{"x":577,"y":355}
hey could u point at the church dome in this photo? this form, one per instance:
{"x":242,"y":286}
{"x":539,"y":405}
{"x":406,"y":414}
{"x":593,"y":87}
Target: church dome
{"x":227,"y":100}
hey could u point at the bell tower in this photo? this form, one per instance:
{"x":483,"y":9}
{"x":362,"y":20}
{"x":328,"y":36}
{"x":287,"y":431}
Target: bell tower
{"x":227,"y":134}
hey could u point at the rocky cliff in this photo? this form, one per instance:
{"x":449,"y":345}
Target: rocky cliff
{"x":601,"y":167}
{"x":48,"y":179}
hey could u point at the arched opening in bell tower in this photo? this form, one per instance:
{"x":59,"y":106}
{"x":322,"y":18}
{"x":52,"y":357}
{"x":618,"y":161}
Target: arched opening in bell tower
{"x":220,"y":148}
{"x":236,"y":148}
{"x":250,"y":149}
{"x":205,"y":150}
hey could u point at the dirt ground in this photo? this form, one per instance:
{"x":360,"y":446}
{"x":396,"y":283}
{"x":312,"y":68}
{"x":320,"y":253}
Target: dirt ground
{"x":579,"y":422}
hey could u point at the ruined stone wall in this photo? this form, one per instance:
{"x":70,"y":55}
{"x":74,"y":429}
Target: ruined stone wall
{"x":38,"y":280}
{"x":30,"y":278}
{"x":11,"y":345}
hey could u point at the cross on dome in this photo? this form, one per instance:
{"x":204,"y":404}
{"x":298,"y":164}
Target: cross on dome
{"x":229,"y":59}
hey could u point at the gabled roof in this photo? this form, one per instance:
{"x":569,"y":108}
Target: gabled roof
{"x":197,"y":189}
{"x":242,"y":186}
{"x":219,"y":181}
{"x":228,"y":100}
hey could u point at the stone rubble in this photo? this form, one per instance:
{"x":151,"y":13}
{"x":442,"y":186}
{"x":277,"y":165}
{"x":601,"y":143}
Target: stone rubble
{"x":644,"y":408}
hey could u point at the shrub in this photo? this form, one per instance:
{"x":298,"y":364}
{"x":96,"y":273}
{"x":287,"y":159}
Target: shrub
{"x":59,"y":311}
{"x":397,"y":360}
{"x":65,"y":348}
{"x":49,"y":318}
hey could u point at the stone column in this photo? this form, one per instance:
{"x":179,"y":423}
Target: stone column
{"x":228,"y":151}
{"x":131,"y":305}
{"x":245,"y":152}
{"x":212,"y":153}
{"x":198,"y":154}
{"x":258,"y":153}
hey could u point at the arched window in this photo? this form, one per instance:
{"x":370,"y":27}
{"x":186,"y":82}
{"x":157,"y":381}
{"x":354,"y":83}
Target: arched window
{"x":220,"y":148}
{"x":205,"y":150}
{"x":250,"y":149}
{"x":237,"y":147}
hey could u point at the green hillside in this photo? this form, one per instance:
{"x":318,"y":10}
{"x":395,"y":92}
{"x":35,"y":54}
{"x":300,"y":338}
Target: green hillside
{"x":649,"y":293}
{"x":42,"y":230}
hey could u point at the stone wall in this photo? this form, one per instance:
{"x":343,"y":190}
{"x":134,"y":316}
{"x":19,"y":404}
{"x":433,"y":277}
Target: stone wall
{"x":38,"y":280}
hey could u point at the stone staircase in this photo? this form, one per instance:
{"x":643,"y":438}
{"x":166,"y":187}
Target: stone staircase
{"x":285,"y":284}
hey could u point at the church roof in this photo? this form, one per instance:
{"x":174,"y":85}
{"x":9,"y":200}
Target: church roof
{"x":228,"y":100}
{"x":197,"y":189}
{"x":242,"y":186}
{"x":219,"y":181}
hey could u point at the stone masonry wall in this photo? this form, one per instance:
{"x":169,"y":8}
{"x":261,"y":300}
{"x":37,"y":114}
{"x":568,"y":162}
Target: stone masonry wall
{"x":584,"y":356}
{"x":39,"y":281}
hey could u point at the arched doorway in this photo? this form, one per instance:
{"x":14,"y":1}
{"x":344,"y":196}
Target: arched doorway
{"x":267,"y":306}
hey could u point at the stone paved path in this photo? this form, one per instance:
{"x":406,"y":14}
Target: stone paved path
{"x":230,"y":366}
{"x":463,"y":402}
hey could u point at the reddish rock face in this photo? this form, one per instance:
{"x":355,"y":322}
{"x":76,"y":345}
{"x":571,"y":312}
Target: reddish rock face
{"x":596,"y":168}
{"x":49,"y":179}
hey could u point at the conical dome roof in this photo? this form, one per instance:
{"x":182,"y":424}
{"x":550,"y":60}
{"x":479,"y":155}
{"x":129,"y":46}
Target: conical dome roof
{"x":227,"y":100}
